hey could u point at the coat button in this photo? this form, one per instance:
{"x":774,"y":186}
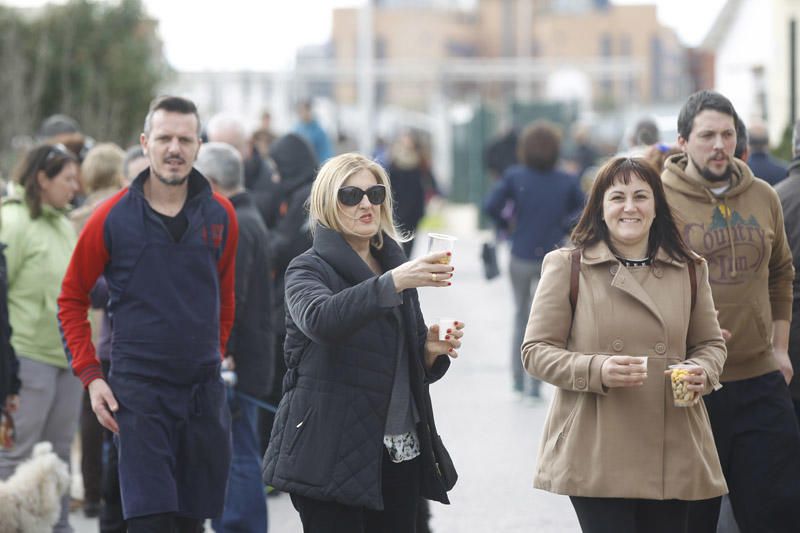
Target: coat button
{"x":580,"y":383}
{"x":661,"y":348}
{"x":614,"y":269}
{"x":657,"y":272}
{"x":618,"y":345}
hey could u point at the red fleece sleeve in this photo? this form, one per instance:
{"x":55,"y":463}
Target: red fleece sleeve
{"x":87,"y":263}
{"x":226,"y":267}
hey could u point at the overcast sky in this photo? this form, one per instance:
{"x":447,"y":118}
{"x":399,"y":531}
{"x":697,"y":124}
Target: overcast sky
{"x":264,"y":35}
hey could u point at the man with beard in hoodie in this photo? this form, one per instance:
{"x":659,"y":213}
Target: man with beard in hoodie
{"x":735,"y":221}
{"x":297,"y":167}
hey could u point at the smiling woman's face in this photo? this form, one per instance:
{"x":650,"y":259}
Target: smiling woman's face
{"x":628,"y":211}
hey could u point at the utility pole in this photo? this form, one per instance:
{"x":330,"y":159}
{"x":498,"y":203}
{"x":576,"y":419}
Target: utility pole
{"x":366,"y":77}
{"x":524,"y":43}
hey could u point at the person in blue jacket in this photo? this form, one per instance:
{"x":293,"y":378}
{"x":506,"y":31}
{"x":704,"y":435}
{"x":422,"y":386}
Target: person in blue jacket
{"x":545,"y":202}
{"x":308,"y":127}
{"x":354,"y":440}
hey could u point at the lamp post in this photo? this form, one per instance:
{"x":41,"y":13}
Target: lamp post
{"x":366,"y":77}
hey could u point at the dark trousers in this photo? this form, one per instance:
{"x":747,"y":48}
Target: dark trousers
{"x":91,"y":452}
{"x":797,"y":409}
{"x":265,"y":418}
{"x":401,"y":486}
{"x":758,"y":442}
{"x":164,"y":523}
{"x":111,"y":520}
{"x":615,"y":515}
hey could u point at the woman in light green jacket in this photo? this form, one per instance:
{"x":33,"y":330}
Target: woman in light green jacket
{"x":39,"y":240}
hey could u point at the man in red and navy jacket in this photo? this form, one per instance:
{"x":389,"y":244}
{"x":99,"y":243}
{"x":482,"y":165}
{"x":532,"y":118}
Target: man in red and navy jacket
{"x":166,"y":246}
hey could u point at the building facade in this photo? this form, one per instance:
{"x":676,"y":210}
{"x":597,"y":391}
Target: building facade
{"x":616,"y":54}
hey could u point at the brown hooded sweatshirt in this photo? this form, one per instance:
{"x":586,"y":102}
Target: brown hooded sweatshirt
{"x":741,"y":235}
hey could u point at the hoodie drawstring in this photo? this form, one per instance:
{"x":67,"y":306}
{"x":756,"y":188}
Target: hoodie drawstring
{"x":728,"y":217}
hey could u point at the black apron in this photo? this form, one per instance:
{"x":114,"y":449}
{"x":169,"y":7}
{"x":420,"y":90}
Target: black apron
{"x":174,"y":442}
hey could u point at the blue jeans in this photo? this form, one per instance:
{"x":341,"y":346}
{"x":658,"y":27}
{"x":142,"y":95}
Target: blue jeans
{"x":245,"y":502}
{"x":524,"y":276}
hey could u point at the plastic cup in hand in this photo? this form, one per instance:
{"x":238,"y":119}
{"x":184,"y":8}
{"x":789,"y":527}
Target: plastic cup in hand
{"x":681,"y":395}
{"x":444,"y":325}
{"x":439,"y":242}
{"x":642,"y":362}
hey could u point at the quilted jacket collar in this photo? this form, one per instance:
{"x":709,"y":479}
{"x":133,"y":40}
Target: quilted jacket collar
{"x":331,"y":246}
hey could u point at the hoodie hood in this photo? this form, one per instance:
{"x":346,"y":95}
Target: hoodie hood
{"x":683,"y":176}
{"x":295,"y":160}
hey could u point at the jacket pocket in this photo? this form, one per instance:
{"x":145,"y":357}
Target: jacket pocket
{"x":749,"y":329}
{"x":298,"y":430}
{"x":312,"y":435}
{"x":571,"y":417}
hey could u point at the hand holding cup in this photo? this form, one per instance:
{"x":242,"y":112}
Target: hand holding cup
{"x":688,"y":382}
{"x":430,"y":270}
{"x":443,"y":338}
{"x":624,"y":371}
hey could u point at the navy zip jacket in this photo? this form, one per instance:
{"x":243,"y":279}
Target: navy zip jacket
{"x":171,"y":303}
{"x":546,"y":205}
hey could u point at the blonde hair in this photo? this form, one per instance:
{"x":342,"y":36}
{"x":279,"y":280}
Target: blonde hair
{"x":323,"y":203}
{"x":102,"y":167}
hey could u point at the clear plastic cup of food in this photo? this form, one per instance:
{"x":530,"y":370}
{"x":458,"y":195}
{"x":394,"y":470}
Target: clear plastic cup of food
{"x":681,"y":395}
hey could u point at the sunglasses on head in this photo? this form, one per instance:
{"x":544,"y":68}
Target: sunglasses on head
{"x":57,"y":150}
{"x":351,"y":196}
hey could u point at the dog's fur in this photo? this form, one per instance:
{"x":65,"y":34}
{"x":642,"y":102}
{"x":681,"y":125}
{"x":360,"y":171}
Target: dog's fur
{"x":30,"y":500}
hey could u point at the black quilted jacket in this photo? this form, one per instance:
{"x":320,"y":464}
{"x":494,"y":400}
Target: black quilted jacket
{"x":327,"y":441}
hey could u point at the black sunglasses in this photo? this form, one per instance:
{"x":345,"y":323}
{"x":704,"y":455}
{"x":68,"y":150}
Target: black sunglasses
{"x":351,"y":196}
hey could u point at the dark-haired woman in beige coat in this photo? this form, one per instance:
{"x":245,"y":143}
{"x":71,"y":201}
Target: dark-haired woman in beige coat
{"x":613,"y":441}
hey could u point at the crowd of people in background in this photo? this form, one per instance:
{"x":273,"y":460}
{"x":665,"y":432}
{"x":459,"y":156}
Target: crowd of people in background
{"x":87,"y":225}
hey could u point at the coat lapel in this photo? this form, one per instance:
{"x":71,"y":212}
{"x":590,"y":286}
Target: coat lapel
{"x":622,"y":278}
{"x":624,"y":281}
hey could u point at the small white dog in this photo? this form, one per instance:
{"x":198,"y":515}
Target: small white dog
{"x":30,"y":500}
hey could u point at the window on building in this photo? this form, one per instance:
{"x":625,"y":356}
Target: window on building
{"x":605,"y":45}
{"x":625,"y":45}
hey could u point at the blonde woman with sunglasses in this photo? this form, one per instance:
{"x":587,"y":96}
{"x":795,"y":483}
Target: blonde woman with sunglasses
{"x":354,"y":440}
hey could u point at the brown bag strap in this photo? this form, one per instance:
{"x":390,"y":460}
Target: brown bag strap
{"x":693,"y":281}
{"x":575,"y":270}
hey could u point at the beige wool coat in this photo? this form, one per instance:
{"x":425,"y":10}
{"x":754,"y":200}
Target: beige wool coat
{"x":623,"y":442}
